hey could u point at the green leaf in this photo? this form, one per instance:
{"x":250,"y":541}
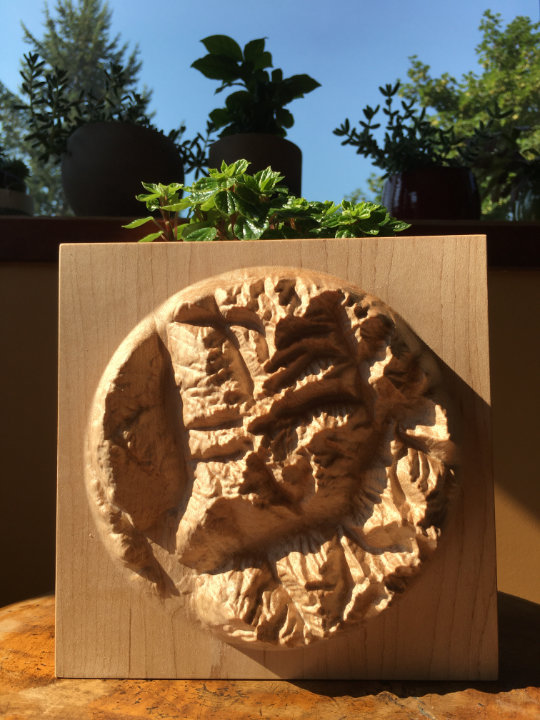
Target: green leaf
{"x":205,"y":184}
{"x":152,"y":187}
{"x":217,"y":67}
{"x":250,"y":207}
{"x":251,"y":184}
{"x":173,"y":188}
{"x":182,"y":204}
{"x":400,"y":225}
{"x":220,"y":117}
{"x":151,"y":237}
{"x":201,"y":234}
{"x":250,"y":210}
{"x":143,"y":197}
{"x":236,"y":168}
{"x":152,"y":201}
{"x":205,"y":206}
{"x":265,"y":61}
{"x":255,"y":54}
{"x":138,"y":223}
{"x":268,"y":179}
{"x":239,"y":101}
{"x":223,"y":45}
{"x":246,"y":229}
{"x":248,"y":190}
{"x":297,"y":86}
{"x":225,"y":202}
{"x":254,"y":48}
{"x":285,"y":118}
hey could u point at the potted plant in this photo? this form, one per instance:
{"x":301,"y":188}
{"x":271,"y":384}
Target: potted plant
{"x":507,"y":165}
{"x":231,"y":204}
{"x":426,"y":177}
{"x":526,"y":191}
{"x":254,"y":120}
{"x":105,"y":143}
{"x":13,"y":197}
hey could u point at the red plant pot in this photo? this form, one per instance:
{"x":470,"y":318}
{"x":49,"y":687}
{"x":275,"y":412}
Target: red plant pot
{"x":432,"y":193}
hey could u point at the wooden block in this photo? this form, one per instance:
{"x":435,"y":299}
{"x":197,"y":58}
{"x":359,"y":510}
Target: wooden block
{"x":114,"y":622}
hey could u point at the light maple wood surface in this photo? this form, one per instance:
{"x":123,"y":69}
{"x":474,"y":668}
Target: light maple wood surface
{"x":444,"y":626}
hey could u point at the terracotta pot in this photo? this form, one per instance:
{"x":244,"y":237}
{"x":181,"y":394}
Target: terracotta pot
{"x":105,"y":163}
{"x":262,"y":150}
{"x":433,"y":193}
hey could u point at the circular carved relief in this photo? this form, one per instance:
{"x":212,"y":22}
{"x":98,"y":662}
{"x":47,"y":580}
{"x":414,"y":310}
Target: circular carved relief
{"x":272,"y":442}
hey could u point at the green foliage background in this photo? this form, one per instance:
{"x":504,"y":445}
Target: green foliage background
{"x":509,"y":58}
{"x":77,"y":39}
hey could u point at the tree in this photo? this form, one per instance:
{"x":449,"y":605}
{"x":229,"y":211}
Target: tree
{"x":77,"y":40}
{"x":44,"y":183}
{"x":509,"y":59}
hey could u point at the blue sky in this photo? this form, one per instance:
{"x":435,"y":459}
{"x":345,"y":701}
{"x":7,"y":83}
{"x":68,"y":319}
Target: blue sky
{"x":350,"y":46}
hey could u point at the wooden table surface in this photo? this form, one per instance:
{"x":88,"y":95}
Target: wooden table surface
{"x":28,"y":688}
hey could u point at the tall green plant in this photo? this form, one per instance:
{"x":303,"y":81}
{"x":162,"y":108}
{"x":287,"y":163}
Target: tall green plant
{"x":259,"y":106}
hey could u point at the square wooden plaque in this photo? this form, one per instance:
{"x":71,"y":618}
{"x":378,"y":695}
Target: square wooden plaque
{"x":445,"y":624}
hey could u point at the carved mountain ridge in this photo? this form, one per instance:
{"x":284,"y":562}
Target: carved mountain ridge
{"x":308,"y":473}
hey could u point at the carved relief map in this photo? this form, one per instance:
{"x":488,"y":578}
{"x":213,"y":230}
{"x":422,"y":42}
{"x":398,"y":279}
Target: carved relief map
{"x":273,"y":444}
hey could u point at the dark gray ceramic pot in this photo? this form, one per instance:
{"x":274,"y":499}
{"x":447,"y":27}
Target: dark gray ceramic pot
{"x":105,"y":163}
{"x":261,"y":150}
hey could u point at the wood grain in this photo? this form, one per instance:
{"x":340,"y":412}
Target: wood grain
{"x":443,"y":627}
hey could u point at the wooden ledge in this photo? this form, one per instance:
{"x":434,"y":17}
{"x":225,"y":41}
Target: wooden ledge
{"x":36,"y":239}
{"x":509,"y":244}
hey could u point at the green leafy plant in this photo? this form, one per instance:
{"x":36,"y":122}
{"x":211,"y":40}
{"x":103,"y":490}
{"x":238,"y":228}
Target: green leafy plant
{"x":13,"y":173}
{"x":496,"y":149}
{"x":54,"y":113}
{"x":508,"y":70}
{"x":259,"y":106}
{"x":231,"y":204}
{"x":500,"y":157}
{"x":411,"y":139}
